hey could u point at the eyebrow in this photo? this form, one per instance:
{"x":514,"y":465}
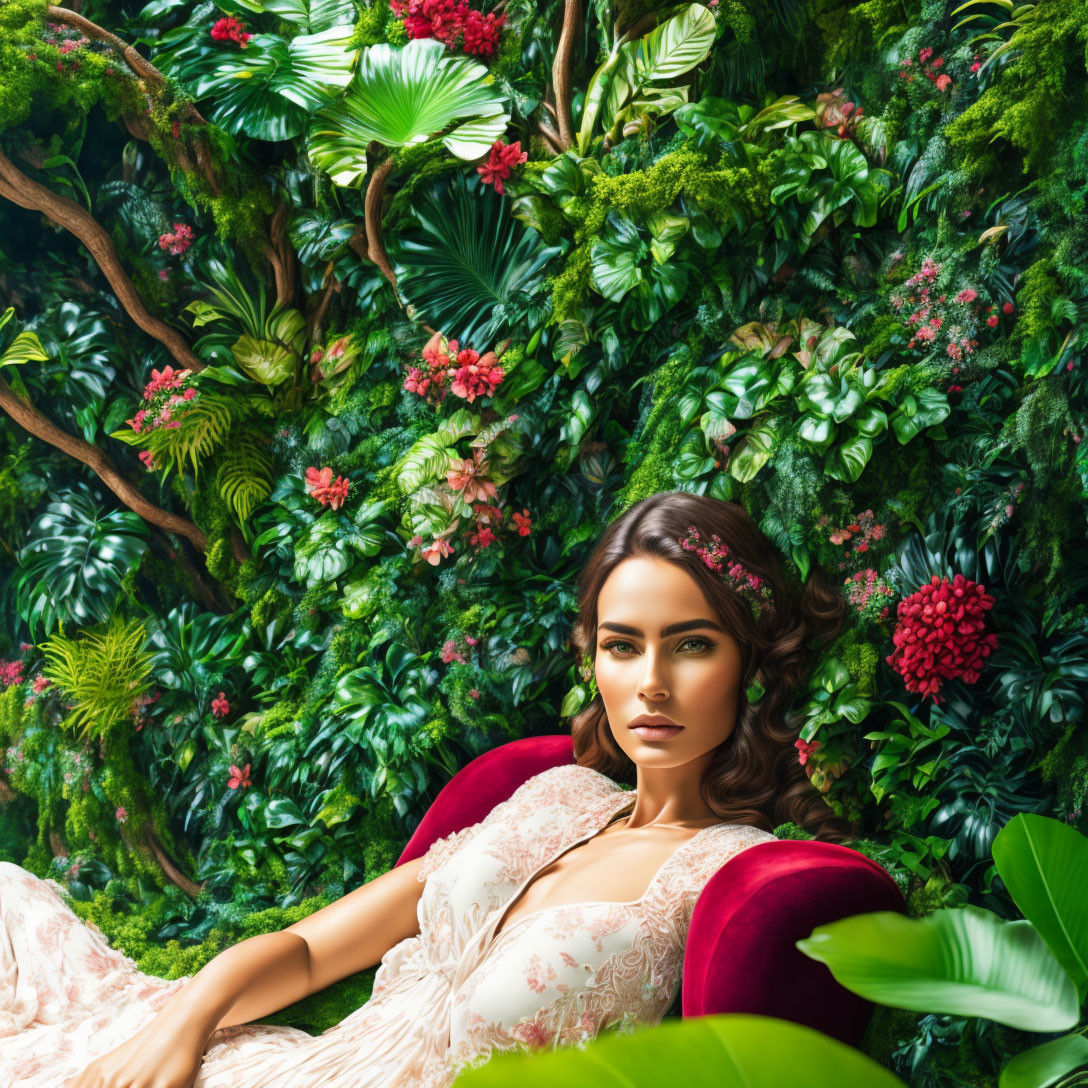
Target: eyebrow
{"x":671,"y":629}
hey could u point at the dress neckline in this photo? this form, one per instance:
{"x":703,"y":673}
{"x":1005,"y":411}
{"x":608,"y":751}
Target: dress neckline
{"x":627,"y":797}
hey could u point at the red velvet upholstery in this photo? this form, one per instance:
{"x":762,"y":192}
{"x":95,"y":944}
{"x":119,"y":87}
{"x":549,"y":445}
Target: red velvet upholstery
{"x":740,"y":954}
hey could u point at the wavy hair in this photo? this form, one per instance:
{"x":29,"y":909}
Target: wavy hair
{"x":754,"y":776}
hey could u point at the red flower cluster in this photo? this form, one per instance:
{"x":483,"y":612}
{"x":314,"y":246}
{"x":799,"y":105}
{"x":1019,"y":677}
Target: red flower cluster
{"x":178,"y":240}
{"x":220,"y":705}
{"x":229,"y":29}
{"x":864,"y":523}
{"x":806,"y":748}
{"x":469,"y":374}
{"x":451,"y":22}
{"x":939,"y":635}
{"x":930,"y":69}
{"x":500,"y":161}
{"x":325,"y":489}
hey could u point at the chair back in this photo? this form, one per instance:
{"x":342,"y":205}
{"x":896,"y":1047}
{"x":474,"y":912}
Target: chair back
{"x":740,"y":955}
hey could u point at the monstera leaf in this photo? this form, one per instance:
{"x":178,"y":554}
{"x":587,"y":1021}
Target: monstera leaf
{"x":402,"y":97}
{"x":470,"y":266}
{"x":269,"y":89}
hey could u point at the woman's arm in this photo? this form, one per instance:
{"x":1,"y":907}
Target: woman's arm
{"x":266,"y":973}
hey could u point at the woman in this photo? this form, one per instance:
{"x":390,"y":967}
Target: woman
{"x":562,"y":913}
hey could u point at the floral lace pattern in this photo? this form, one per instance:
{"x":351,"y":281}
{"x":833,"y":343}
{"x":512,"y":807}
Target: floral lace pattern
{"x":442,"y":1000}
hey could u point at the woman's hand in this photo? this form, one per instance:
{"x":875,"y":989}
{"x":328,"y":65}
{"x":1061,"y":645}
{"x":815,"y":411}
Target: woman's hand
{"x":165,"y":1053}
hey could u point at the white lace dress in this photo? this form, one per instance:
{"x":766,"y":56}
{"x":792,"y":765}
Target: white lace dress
{"x":441,"y":1000}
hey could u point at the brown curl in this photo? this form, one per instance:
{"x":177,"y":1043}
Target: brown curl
{"x":754,"y":776}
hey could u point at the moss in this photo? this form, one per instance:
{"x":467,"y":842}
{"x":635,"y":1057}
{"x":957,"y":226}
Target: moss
{"x":1045,"y":79}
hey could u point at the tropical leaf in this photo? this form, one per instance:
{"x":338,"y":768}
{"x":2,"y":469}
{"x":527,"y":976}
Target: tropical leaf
{"x":963,"y":961}
{"x":734,"y":1049}
{"x":24,"y":348}
{"x":269,"y":89}
{"x":1044,"y":864}
{"x":402,"y":97}
{"x":470,"y":269}
{"x":313,"y":15}
{"x":75,"y":561}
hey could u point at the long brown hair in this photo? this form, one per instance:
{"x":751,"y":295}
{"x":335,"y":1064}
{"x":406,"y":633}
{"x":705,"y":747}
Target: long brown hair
{"x":754,"y":775}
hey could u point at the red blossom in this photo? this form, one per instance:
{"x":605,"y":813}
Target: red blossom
{"x":939,"y":635}
{"x":1007,"y":307}
{"x":806,"y":748}
{"x":325,"y":489}
{"x":229,"y":29}
{"x":522,"y":521}
{"x":220,"y":706}
{"x":501,"y":159}
{"x":177,"y":241}
{"x":239,"y":776}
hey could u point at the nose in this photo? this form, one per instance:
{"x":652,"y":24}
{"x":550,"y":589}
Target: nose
{"x":653,"y":685}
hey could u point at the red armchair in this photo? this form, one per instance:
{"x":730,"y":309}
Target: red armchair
{"x":740,"y":954}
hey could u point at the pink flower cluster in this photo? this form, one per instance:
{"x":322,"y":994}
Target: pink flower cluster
{"x":468,"y":373}
{"x":325,"y":489}
{"x":452,"y":22}
{"x":178,"y":240}
{"x":939,"y":635}
{"x":451,"y":652}
{"x":864,"y":525}
{"x":501,"y":159}
{"x":121,"y":814}
{"x":167,"y":389}
{"x":931,"y":69}
{"x":806,"y":748}
{"x":934,"y":320}
{"x":11,"y":673}
{"x":834,"y":110}
{"x":869,"y":594}
{"x":229,"y":29}
{"x":220,"y":705}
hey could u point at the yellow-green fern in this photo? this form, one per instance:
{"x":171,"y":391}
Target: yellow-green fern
{"x":101,"y":675}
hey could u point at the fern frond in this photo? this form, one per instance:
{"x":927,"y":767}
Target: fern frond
{"x":205,"y":425}
{"x":103,"y":674}
{"x":245,"y":472}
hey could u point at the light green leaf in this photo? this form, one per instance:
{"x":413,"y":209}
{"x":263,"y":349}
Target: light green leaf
{"x":1044,"y":1065}
{"x":403,"y":97}
{"x":1044,"y":864}
{"x":964,"y":962}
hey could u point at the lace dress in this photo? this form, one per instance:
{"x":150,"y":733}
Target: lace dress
{"x":441,"y":1000}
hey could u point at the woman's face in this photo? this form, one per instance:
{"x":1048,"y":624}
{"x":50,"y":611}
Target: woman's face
{"x":691,"y":676}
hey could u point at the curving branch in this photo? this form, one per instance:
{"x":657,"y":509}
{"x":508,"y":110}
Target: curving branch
{"x":372,"y":208}
{"x":143,"y":69}
{"x":281,"y":256}
{"x":170,"y":870}
{"x":30,"y":419}
{"x":561,"y":74}
{"x":27,"y":193}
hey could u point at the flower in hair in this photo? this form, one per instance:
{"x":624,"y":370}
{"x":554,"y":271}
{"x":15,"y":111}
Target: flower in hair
{"x":734,"y":573}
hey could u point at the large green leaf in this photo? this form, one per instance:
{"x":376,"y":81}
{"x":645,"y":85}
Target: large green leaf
{"x":471,"y":268}
{"x":269,"y":89}
{"x":735,"y":1050}
{"x":75,"y":561}
{"x":25,"y":347}
{"x":1044,"y":1065}
{"x":313,"y":15}
{"x":1044,"y":864}
{"x":669,"y":50}
{"x":966,"y":962}
{"x":401,"y":97}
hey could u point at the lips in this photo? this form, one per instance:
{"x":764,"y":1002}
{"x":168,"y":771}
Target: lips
{"x":654,"y":727}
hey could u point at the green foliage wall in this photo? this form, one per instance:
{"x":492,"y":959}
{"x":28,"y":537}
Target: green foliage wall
{"x":329,"y":346}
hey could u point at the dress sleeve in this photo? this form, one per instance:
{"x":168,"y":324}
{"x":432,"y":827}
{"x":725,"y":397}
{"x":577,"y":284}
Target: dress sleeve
{"x":515,"y":807}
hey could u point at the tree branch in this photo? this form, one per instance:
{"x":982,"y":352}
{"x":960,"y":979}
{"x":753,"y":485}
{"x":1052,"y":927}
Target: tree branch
{"x":142,"y":68}
{"x":19,"y":189}
{"x":372,"y":207}
{"x":170,"y":870}
{"x":30,"y":419}
{"x":561,"y":77}
{"x":281,"y":256}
